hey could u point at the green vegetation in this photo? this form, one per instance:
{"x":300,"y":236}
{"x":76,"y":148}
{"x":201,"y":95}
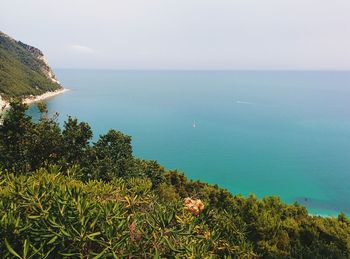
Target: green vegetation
{"x":63,"y":196}
{"x":22,"y":71}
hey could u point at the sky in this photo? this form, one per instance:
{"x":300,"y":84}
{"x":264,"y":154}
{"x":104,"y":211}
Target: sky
{"x":184,"y":34}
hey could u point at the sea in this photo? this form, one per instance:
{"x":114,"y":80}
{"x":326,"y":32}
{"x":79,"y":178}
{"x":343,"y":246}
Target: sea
{"x":268,"y":133}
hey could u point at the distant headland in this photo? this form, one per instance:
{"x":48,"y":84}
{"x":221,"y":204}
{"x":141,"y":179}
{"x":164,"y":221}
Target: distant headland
{"x":25,"y":73}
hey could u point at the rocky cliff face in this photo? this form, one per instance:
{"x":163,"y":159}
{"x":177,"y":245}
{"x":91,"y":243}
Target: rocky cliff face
{"x":37,"y":53}
{"x":24,"y":70}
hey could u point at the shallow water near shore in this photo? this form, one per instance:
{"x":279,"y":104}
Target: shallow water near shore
{"x":268,"y":133}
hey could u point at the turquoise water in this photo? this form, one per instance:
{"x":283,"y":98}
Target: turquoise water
{"x":268,"y":133}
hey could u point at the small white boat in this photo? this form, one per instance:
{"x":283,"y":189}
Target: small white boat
{"x":194,"y":124}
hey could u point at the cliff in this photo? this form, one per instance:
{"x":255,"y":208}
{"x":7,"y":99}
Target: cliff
{"x":24,"y":70}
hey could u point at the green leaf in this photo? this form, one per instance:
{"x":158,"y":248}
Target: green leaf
{"x":34,"y":216}
{"x":25,"y":248}
{"x":65,"y":232}
{"x":156,"y":255}
{"x":9,"y":247}
{"x":171,"y":246}
{"x":100,"y":254}
{"x":91,"y":236}
{"x":52,"y":240}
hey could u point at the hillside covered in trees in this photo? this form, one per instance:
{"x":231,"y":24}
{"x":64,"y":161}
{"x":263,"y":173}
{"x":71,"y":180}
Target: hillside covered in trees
{"x":24,"y":70}
{"x":63,"y":196}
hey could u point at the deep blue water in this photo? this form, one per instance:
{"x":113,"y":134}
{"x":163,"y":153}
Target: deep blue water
{"x":268,"y":133}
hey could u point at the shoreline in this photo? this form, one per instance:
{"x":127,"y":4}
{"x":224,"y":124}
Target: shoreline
{"x":33,"y":99}
{"x":38,"y":98}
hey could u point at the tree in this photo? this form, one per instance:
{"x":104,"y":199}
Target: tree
{"x":16,"y":135}
{"x":113,"y":155}
{"x":47,"y":140}
{"x":76,"y":137}
{"x":155,"y":172}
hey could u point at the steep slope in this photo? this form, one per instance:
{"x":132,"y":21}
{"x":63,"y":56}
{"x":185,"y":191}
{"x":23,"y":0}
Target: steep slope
{"x":24,"y":70}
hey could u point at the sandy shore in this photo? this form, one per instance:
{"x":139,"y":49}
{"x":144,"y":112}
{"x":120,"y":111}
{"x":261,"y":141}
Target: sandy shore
{"x":44,"y":96}
{"x":33,"y":99}
{"x":3,"y":104}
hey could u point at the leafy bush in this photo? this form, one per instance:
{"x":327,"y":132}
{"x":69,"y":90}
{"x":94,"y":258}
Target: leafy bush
{"x":54,"y":215}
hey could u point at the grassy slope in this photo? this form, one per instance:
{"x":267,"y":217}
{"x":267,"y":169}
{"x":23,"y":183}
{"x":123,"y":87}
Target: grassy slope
{"x":20,"y":71}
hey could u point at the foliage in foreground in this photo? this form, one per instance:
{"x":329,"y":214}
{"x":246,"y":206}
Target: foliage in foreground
{"x":52,"y":215}
{"x":62,"y":196}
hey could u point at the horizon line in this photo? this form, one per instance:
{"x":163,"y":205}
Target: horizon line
{"x":208,"y":70}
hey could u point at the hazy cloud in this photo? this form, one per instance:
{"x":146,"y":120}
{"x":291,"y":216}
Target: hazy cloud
{"x":82,"y":49}
{"x":184,"y":34}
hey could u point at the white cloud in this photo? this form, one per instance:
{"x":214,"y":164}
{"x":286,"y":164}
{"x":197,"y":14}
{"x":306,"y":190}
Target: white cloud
{"x":82,"y":49}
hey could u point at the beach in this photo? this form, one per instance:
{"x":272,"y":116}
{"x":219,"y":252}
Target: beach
{"x":38,"y":98}
{"x":32,"y":99}
{"x":3,"y":103}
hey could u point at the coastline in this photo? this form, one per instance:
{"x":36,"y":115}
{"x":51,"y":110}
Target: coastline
{"x":38,"y":98}
{"x":35,"y":98}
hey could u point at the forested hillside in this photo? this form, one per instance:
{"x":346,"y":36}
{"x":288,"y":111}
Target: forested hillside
{"x":61,"y":195}
{"x":23,"y":70}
